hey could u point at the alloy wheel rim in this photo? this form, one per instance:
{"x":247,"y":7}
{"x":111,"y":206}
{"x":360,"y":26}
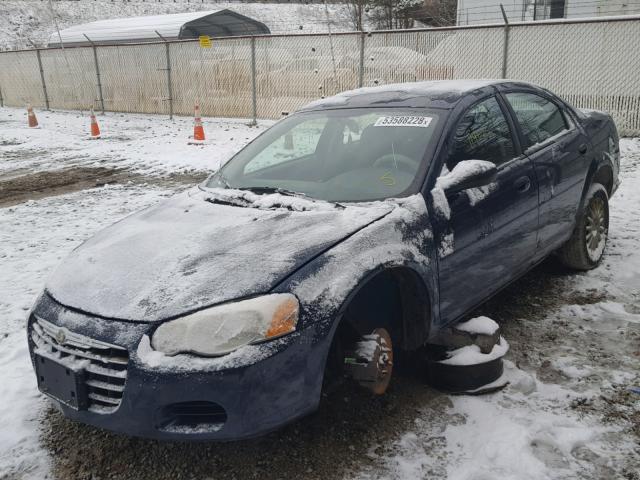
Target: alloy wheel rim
{"x":596,"y":229}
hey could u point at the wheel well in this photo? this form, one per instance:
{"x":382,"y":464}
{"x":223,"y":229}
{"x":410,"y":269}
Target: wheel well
{"x":604,"y":176}
{"x":395,"y":299}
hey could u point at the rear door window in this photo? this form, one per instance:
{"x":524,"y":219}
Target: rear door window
{"x":539,"y":118}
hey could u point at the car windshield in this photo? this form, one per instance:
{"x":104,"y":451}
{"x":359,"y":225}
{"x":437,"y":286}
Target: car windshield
{"x":337,"y":155}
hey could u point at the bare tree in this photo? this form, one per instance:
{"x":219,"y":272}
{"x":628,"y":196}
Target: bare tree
{"x":357,"y":10}
{"x":438,"y":13}
{"x":393,"y":14}
{"x":390,"y":14}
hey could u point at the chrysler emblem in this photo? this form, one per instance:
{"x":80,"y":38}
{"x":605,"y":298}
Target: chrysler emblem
{"x":61,"y":336}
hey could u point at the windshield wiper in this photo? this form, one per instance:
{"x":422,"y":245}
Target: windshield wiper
{"x":268,"y":190}
{"x":289,"y":193}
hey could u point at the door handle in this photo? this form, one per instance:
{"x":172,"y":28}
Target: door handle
{"x":523,"y":184}
{"x":582,"y":149}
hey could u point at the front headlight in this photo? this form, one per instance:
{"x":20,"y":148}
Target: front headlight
{"x":220,"y":330}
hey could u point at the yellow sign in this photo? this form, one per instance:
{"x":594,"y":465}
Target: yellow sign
{"x":205,"y":41}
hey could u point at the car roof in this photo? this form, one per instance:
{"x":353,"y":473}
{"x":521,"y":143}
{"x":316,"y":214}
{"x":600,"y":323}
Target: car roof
{"x":435,"y":94}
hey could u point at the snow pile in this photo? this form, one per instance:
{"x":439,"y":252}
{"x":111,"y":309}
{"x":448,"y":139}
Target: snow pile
{"x":479,"y":325}
{"x":471,"y":354}
{"x":462,"y":171}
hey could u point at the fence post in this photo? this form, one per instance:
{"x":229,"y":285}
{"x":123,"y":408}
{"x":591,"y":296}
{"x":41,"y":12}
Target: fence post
{"x":95,"y":61}
{"x":1,"y":99}
{"x":505,"y":45}
{"x":44,"y":84}
{"x":254,"y":93}
{"x":168,"y":69}
{"x":361,"y":74}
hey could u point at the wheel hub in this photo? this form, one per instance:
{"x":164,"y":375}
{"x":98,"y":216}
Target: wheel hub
{"x":370,"y":363}
{"x":596,"y":229}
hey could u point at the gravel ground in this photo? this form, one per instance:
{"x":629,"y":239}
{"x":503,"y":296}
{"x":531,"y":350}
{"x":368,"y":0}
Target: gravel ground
{"x":575,"y":350}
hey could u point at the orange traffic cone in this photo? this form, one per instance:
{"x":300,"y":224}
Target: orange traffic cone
{"x":95,"y":129}
{"x":33,"y":121}
{"x":198,"y":130}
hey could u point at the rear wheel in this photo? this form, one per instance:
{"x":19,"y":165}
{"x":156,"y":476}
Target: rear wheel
{"x":585,"y":248}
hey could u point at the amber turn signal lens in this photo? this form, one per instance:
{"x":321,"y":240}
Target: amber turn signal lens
{"x":284,"y":319}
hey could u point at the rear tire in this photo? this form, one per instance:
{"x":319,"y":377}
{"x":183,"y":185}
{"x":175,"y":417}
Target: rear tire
{"x":585,"y":249}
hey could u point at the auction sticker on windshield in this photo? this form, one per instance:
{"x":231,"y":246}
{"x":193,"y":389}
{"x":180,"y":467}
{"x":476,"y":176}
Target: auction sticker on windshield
{"x":404,"y":121}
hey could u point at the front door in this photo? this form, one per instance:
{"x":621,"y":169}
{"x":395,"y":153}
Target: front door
{"x":490,"y":235}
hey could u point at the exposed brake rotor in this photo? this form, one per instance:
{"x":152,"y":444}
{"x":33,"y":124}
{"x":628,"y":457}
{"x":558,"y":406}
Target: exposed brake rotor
{"x":370,"y":363}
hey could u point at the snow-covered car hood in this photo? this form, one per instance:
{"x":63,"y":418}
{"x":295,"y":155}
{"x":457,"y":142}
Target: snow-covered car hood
{"x":189,"y":253}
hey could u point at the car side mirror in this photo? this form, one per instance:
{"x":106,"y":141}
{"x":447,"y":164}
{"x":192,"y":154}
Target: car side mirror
{"x":468,"y":174}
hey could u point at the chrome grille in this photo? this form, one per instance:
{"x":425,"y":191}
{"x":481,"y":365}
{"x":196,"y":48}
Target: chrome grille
{"x":105,"y":364}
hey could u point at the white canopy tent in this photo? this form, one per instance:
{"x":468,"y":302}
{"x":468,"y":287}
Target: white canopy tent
{"x":215,"y":23}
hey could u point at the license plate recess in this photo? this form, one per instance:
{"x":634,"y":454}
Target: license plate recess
{"x":62,"y":382}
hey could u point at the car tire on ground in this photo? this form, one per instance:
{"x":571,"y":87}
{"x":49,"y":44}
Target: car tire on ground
{"x":585,"y":248}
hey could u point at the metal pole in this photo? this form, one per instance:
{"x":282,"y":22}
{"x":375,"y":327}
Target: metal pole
{"x":361,"y":74}
{"x":44,"y":84}
{"x":505,"y":45}
{"x":254,"y":86}
{"x":1,"y":99}
{"x":95,"y":61}
{"x":169,"y":88}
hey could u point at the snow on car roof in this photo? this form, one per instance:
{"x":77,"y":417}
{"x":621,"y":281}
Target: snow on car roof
{"x":403,"y":90}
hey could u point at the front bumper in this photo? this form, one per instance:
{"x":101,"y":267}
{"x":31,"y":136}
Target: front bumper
{"x":193,"y":398}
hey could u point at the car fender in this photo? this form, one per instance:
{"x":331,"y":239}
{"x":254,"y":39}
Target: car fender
{"x":602,"y":167}
{"x":401,"y":239}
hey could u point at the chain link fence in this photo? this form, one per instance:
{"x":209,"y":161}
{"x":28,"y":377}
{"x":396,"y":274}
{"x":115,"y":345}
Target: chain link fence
{"x":592,"y":64}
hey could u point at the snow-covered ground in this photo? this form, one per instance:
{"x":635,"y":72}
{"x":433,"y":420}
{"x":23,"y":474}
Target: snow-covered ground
{"x":150,"y":144}
{"x":567,"y":413}
{"x":27,"y":23}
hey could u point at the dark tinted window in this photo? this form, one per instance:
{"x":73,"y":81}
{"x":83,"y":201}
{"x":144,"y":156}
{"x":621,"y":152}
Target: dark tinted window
{"x":482,"y":134}
{"x":539,"y":118}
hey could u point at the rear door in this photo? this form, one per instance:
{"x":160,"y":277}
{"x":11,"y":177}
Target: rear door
{"x":490,"y":237}
{"x":559,"y":151}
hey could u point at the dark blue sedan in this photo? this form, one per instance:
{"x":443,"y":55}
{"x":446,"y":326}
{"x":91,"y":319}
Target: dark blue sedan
{"x":360,"y":226}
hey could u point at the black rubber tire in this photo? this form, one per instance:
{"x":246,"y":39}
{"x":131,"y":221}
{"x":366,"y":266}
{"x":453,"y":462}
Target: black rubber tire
{"x":574,"y":253}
